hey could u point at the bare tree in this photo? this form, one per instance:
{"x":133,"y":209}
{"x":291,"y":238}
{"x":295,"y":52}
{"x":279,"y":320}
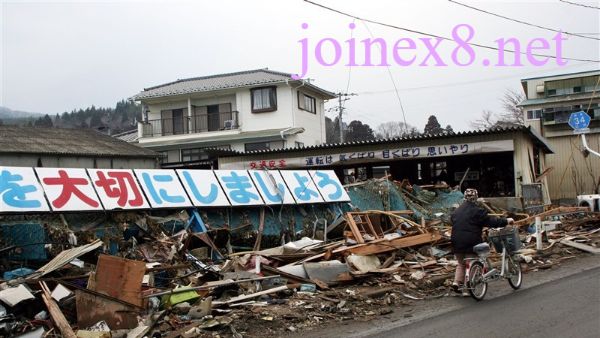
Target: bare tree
{"x":393,"y":129}
{"x":512,"y":112}
{"x":511,"y":116}
{"x":486,"y":121}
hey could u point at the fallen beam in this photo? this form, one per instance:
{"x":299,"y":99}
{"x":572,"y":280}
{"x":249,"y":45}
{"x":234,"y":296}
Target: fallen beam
{"x":552,"y":212}
{"x":57,"y":316}
{"x":258,"y":294}
{"x":581,"y":246}
{"x":383,"y":245}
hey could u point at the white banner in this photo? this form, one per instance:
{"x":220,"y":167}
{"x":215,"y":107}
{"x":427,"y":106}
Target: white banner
{"x":385,"y":154}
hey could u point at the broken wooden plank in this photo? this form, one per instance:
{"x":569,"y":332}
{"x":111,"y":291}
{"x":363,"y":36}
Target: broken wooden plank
{"x":354,"y":228}
{"x":57,"y":316}
{"x":208,"y":287}
{"x":552,"y":212}
{"x":581,"y":246}
{"x":64,"y":257}
{"x":383,"y":245}
{"x":258,"y":294}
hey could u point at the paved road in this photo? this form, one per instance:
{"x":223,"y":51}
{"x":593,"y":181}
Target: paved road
{"x":567,"y":307}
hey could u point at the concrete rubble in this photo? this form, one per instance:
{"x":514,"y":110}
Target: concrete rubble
{"x":134,"y":274}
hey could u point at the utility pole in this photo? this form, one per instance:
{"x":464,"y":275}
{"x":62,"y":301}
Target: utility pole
{"x":342,"y":97}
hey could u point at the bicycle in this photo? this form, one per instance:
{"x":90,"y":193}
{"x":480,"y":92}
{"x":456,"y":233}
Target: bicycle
{"x":478,"y":272}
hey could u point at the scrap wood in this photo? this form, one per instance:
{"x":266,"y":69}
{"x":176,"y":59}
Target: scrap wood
{"x":258,"y":294}
{"x":384,"y":245}
{"x":398,"y":215}
{"x":142,"y":330}
{"x":208,"y":287}
{"x":552,"y":212}
{"x":64,"y":257}
{"x":580,"y":246}
{"x":120,"y":278}
{"x":545,"y":173}
{"x":378,"y":292}
{"x":57,"y":316}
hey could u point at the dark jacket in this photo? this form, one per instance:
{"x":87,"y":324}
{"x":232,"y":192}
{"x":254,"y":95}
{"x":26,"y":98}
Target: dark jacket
{"x":468,"y":221}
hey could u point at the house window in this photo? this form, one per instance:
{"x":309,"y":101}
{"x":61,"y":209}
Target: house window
{"x":264,"y":99}
{"x":194,"y":154}
{"x":307,"y":103}
{"x":197,"y":154}
{"x":551,"y":92}
{"x":534,"y":114}
{"x":577,"y":89}
{"x":164,"y":157}
{"x":257,"y":146}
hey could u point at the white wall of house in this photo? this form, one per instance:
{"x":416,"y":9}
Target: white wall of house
{"x":287,"y":115}
{"x":314,"y":124}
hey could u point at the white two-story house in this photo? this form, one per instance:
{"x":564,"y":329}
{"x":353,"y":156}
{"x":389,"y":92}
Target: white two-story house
{"x":191,"y":121}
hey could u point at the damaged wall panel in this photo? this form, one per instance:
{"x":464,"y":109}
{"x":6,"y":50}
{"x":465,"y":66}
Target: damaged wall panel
{"x":120,"y":278}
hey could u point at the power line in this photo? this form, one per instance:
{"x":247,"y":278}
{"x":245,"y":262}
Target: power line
{"x":391,"y":78}
{"x":439,"y":36}
{"x":350,"y":67}
{"x":522,"y":22}
{"x":578,"y":4}
{"x":461,"y":83}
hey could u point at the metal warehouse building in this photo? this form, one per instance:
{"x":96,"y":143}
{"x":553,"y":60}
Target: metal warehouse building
{"x":499,"y":162}
{"x":70,"y":148}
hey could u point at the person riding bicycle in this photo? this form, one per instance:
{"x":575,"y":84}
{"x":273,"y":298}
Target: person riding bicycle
{"x":468,"y":221}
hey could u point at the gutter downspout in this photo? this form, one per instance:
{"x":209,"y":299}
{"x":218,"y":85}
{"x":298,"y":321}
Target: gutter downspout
{"x":586,"y":147}
{"x":283,"y":136}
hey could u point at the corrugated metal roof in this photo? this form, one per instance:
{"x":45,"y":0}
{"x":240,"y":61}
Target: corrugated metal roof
{"x":498,"y":130}
{"x":74,"y":142}
{"x":591,"y":72}
{"x":222,"y":81}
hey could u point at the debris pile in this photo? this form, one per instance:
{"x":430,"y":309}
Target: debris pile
{"x":131,"y":274}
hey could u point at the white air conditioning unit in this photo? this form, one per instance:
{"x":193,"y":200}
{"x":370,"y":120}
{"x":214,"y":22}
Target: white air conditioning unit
{"x":539,"y":88}
{"x":590,"y":201}
{"x":228,"y":124}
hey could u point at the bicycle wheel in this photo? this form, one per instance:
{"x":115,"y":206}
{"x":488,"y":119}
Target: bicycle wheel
{"x":477,"y":286}
{"x":515,"y":276}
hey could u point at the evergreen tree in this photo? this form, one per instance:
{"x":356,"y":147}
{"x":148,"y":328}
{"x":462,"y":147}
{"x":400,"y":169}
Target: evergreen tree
{"x":45,"y":121}
{"x":433,"y":127}
{"x":357,"y":131}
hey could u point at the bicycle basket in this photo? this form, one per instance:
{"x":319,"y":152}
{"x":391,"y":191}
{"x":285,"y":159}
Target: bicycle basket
{"x":511,"y":237}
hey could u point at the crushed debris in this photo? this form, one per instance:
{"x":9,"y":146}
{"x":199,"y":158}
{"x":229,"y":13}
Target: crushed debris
{"x":133,"y":274}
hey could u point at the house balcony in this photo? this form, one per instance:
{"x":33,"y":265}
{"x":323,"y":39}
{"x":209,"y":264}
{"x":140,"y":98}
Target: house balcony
{"x":199,"y":123}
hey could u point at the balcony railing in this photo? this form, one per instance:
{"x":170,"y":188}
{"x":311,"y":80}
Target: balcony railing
{"x":199,"y":123}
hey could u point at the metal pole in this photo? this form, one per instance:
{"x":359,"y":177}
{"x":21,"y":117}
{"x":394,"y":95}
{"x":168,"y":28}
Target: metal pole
{"x":538,"y":233}
{"x":340,"y":118}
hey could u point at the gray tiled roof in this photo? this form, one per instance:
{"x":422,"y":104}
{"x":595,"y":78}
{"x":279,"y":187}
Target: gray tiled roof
{"x":221,"y":81}
{"x":130,"y":136}
{"x":74,"y":142}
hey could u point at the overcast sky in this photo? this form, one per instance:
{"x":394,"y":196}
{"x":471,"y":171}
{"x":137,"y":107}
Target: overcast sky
{"x":63,"y":55}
